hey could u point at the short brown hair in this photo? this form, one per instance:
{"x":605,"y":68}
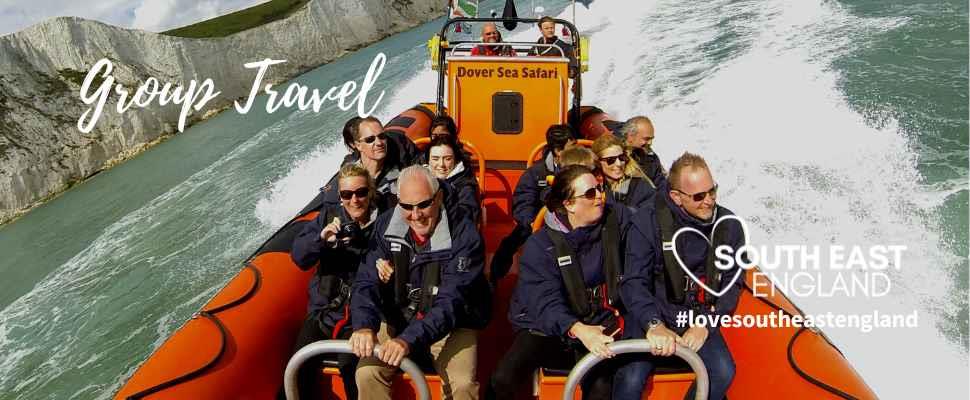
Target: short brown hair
{"x":577,"y":155}
{"x":686,"y":160}
{"x":545,"y":19}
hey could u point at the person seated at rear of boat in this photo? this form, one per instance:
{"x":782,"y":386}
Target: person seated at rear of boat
{"x":566,"y":303}
{"x":626,"y":184}
{"x":490,"y":34}
{"x":421,"y":290}
{"x":370,"y":148}
{"x":655,"y":288}
{"x":639,"y":134}
{"x":445,"y":162}
{"x":528,"y":197}
{"x":556,"y":47}
{"x":335,"y":242}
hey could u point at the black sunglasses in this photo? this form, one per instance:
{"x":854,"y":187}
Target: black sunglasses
{"x":610,"y":160}
{"x":420,"y":206}
{"x":371,"y":139}
{"x":591,"y":193}
{"x":360,"y":193}
{"x":700,"y":196}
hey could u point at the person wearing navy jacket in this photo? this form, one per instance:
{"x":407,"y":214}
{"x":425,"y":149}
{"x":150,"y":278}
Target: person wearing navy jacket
{"x":656,"y":290}
{"x":639,"y":134}
{"x":335,"y":242}
{"x":576,"y":253}
{"x":420,"y":290}
{"x":382,"y":154}
{"x":527,"y":200}
{"x":625,"y":182}
{"x":446,"y":163}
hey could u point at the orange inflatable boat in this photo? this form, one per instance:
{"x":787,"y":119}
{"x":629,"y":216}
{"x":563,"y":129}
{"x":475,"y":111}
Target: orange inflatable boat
{"x":238,"y":344}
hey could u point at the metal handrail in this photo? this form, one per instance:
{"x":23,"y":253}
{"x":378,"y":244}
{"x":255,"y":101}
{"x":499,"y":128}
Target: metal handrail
{"x":291,"y":374}
{"x":637,"y":346}
{"x":531,"y":46}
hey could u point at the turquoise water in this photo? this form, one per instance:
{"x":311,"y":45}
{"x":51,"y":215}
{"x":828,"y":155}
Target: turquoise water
{"x":825,"y":122}
{"x":916,"y":76}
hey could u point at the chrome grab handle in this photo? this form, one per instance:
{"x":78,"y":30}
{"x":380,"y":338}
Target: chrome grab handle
{"x":470,"y":45}
{"x":291,"y":374}
{"x":637,"y":346}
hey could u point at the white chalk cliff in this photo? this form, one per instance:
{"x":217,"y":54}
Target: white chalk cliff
{"x":42,"y":152}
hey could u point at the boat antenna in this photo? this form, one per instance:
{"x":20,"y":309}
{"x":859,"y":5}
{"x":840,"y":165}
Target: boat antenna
{"x":574,"y":12}
{"x":509,"y":15}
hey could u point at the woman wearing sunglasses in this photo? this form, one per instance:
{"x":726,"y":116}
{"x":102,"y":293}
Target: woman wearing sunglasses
{"x":446,"y":163}
{"x":334,"y":242}
{"x":566,"y":303}
{"x":626,"y":184}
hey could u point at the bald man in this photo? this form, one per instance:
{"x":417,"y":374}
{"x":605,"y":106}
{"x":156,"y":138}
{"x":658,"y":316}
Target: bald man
{"x":490,"y":34}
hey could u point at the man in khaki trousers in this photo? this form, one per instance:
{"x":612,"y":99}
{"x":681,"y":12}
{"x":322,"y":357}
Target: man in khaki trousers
{"x":421,"y":290}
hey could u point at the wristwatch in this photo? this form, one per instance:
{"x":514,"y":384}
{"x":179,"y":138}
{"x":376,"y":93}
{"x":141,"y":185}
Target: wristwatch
{"x":654,"y":323}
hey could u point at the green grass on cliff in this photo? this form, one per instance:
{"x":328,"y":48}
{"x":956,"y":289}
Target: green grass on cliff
{"x":239,"y":21}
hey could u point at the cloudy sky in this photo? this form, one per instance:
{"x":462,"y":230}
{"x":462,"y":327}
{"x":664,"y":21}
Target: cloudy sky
{"x":150,"y":15}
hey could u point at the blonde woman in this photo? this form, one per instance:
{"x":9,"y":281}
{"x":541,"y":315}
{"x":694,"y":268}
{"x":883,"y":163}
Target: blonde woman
{"x":335,"y":243}
{"x":625,"y":182}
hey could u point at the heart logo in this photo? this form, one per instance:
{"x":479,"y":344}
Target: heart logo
{"x":673,"y":248}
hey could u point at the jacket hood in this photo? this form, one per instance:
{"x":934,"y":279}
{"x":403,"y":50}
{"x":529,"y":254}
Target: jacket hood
{"x":579,"y":237}
{"x":550,"y":162}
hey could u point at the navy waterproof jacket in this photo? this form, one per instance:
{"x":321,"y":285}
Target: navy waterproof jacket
{"x":464,"y":187}
{"x":643,"y":288}
{"x":531,"y":191}
{"x":463,"y":298}
{"x":334,"y":262}
{"x":540,"y":301}
{"x":651,"y":166}
{"x":636,"y":193}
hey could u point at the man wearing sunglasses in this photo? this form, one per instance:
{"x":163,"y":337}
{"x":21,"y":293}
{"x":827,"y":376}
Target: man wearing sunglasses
{"x":655,"y":287}
{"x":382,"y":153}
{"x":639,"y":134}
{"x":420,"y":291}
